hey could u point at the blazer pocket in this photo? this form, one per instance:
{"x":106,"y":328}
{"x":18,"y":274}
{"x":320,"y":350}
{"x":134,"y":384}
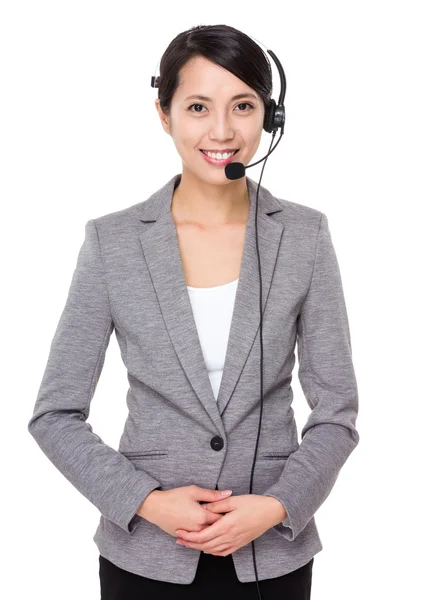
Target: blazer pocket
{"x":154,"y":454}
{"x":275,"y":456}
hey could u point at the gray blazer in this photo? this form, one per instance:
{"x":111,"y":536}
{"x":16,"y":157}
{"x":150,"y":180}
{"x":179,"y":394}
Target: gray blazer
{"x":129,"y":279}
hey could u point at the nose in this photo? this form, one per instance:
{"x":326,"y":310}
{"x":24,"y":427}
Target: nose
{"x":221,"y":127}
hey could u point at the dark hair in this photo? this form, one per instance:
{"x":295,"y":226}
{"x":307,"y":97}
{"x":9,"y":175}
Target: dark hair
{"x":224,"y":45}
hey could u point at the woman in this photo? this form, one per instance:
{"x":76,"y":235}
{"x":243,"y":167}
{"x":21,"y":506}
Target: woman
{"x":212,"y":217}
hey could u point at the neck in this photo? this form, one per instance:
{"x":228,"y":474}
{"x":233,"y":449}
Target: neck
{"x":210,"y":205}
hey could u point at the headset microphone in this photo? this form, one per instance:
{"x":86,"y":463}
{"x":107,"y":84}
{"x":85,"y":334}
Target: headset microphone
{"x":274,"y":119}
{"x":236,"y":170}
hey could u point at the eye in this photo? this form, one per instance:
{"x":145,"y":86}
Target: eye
{"x":246,"y":104}
{"x":241,"y":104}
{"x":195,"y":105}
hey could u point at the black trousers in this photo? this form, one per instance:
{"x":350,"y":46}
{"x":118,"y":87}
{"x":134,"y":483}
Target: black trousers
{"x":215,"y":579}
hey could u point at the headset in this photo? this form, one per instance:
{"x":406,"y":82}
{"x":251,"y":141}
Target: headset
{"x":273,"y":120}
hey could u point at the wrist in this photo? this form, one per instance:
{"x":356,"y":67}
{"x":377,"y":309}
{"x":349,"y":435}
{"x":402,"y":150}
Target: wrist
{"x":277,"y":510}
{"x":147,"y":506}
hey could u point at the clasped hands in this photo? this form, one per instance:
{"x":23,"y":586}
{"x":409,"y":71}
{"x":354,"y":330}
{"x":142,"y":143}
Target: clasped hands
{"x":247,"y":517}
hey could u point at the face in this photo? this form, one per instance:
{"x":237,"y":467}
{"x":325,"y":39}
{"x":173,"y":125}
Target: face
{"x":218,"y":123}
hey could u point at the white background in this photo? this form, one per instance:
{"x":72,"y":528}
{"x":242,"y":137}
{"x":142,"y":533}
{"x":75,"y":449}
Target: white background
{"x":80,"y":137}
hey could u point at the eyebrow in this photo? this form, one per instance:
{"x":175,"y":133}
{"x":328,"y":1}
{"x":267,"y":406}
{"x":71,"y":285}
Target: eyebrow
{"x":236,"y":97}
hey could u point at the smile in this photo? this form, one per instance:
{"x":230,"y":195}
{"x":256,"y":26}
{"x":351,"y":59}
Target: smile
{"x":218,"y":161}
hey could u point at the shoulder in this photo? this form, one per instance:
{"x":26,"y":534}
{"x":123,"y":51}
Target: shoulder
{"x":119,"y":225}
{"x":302,"y":220}
{"x":118,"y":217}
{"x":297,"y":211}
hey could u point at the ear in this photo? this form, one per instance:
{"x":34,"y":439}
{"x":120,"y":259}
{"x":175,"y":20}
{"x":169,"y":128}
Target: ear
{"x":163,"y":117}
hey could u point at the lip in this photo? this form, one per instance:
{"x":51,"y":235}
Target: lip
{"x":216,"y":162}
{"x":215,"y":150}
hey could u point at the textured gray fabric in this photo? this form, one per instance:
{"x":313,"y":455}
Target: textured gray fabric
{"x":129,"y":279}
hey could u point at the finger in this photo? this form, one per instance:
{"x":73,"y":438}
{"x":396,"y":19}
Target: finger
{"x":211,"y":518}
{"x":222,"y":548}
{"x":207,"y":495}
{"x":220,"y":506}
{"x":200,"y":537}
{"x":217,"y":545}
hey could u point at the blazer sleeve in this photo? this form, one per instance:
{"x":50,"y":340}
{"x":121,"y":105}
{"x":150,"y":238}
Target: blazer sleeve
{"x":59,"y":421}
{"x":327,"y":377}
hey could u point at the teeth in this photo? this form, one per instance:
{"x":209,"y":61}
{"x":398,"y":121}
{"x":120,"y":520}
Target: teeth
{"x":219,"y":156}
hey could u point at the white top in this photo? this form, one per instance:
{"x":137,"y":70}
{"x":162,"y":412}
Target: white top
{"x":213,"y":310}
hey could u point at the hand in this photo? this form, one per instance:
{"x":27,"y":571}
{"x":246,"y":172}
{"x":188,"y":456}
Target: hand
{"x":180,"y":507}
{"x":247,"y":517}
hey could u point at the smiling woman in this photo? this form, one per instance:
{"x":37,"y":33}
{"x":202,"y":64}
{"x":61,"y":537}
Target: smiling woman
{"x":175,"y":277}
{"x":214,"y":87}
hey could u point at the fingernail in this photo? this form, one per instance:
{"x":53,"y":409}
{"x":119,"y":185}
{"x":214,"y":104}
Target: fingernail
{"x":226,"y":492}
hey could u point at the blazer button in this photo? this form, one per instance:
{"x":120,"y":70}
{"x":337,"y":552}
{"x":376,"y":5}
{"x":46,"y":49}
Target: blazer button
{"x":217,"y":443}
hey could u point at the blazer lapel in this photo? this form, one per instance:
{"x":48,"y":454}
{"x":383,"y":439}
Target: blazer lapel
{"x":161,"y":250}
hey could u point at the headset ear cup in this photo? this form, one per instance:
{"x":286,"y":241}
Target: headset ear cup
{"x":269,"y":116}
